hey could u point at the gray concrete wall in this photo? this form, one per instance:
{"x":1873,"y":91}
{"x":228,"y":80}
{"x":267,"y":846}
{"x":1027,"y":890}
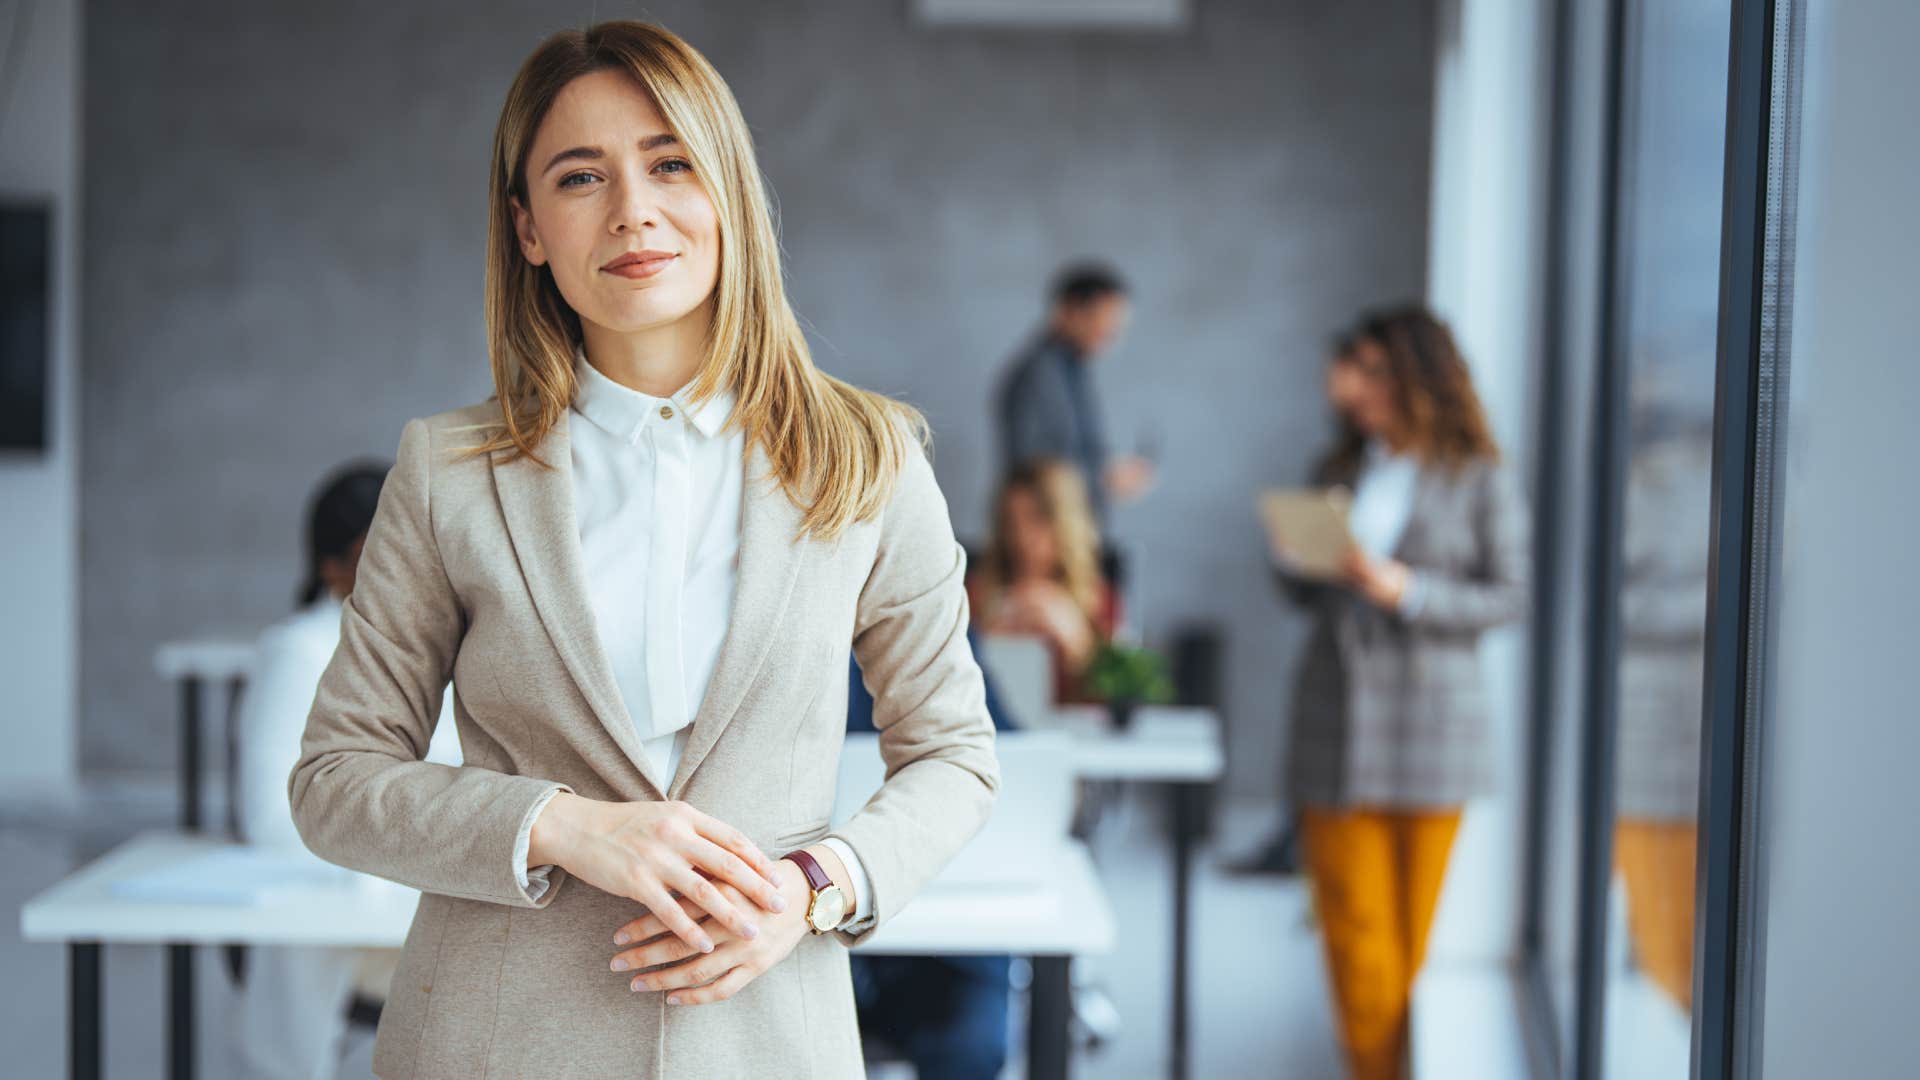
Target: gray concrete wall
{"x":284,"y":227}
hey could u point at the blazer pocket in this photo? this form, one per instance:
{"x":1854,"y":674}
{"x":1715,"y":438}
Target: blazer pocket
{"x":800,"y":835}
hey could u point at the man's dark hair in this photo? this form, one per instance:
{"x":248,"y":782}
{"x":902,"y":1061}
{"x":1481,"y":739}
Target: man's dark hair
{"x":1083,"y":283}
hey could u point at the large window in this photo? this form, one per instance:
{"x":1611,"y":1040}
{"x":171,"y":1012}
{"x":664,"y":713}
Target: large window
{"x":1653,"y":511}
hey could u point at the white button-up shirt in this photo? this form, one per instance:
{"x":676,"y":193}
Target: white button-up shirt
{"x":1382,"y":506}
{"x":658,"y":486}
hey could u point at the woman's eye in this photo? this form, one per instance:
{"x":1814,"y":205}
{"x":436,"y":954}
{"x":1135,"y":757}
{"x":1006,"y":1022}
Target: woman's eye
{"x":676,"y":165}
{"x":568,"y":180}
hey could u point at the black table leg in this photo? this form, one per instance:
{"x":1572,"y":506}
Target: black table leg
{"x":180,"y":1012}
{"x":234,"y":686}
{"x":190,"y":753}
{"x":1049,"y":1012}
{"x":83,"y":1010}
{"x":1186,"y":814}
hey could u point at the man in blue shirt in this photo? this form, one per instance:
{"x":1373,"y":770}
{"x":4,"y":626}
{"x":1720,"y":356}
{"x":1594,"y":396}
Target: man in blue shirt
{"x":1047,"y":407}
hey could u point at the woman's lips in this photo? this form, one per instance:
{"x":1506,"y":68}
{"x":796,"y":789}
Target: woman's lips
{"x":645,"y":268}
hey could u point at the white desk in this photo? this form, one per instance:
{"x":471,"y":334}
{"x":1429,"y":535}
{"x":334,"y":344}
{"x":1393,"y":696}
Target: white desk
{"x":83,"y":912}
{"x":1165,"y":744}
{"x":1180,"y":748}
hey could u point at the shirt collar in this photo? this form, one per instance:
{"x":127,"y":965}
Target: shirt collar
{"x":1379,"y":453}
{"x":1064,"y":348}
{"x":624,"y":412}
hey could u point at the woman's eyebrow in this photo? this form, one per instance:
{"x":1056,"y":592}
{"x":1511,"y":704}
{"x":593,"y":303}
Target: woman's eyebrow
{"x":594,"y":153}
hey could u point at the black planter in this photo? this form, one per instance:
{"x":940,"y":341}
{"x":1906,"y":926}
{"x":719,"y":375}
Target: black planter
{"x":1122,"y":710}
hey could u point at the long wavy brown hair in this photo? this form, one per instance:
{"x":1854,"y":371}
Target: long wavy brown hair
{"x":1063,"y":501}
{"x":1432,"y":390}
{"x":836,"y":449}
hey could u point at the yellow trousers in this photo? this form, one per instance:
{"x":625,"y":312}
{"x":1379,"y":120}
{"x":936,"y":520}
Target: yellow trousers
{"x":1656,"y":860}
{"x":1376,"y":878}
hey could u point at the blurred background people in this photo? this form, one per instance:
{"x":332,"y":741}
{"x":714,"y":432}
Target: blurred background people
{"x":947,"y":1015}
{"x":1041,"y":574}
{"x":1344,"y":384}
{"x":295,"y":1000}
{"x":1047,"y":405}
{"x":1390,"y":736}
{"x":1663,"y":600}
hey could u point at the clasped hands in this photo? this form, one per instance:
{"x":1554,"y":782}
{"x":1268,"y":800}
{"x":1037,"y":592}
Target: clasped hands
{"x":747,"y":911}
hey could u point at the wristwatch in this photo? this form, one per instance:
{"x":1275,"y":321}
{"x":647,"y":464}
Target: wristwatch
{"x":827,"y":908}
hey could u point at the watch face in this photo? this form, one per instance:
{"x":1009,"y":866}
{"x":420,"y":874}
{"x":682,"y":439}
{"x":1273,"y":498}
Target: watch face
{"x":829,"y":909}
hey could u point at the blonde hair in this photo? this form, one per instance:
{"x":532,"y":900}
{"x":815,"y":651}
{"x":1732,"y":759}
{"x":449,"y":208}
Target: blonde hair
{"x":836,"y":449}
{"x":1063,"y":502}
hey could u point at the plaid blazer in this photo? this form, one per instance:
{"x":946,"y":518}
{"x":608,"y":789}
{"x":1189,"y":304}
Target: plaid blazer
{"x":1391,"y":711}
{"x":1663,"y":623}
{"x":472,"y":572}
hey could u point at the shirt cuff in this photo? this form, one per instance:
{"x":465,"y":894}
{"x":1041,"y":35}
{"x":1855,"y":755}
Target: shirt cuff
{"x":862,"y":915}
{"x":534,"y":879}
{"x":1413,"y":597}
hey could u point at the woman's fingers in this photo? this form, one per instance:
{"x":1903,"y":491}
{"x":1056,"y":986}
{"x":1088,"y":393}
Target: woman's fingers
{"x":709,"y":898}
{"x":644,"y":928}
{"x":733,"y":840}
{"x":725,"y":865}
{"x":719,"y":990}
{"x":675,"y":919}
{"x":660,"y":950}
{"x":697,"y":971}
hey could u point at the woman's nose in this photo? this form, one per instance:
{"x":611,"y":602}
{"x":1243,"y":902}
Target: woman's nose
{"x":634,"y":208}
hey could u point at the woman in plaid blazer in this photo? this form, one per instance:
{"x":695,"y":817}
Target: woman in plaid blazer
{"x":1389,"y":734}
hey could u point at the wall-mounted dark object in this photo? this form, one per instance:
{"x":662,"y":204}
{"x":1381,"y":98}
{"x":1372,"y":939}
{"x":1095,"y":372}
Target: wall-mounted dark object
{"x":26,"y":324}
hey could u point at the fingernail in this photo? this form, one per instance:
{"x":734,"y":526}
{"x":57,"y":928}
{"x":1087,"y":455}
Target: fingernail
{"x":620,"y":964}
{"x":671,"y":1000}
{"x":620,"y":938}
{"x":637,"y":984}
{"x":706,"y":944}
{"x":779,"y":903}
{"x":749,"y":931}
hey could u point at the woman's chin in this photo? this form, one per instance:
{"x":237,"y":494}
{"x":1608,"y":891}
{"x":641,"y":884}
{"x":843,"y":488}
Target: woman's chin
{"x":630,"y":317}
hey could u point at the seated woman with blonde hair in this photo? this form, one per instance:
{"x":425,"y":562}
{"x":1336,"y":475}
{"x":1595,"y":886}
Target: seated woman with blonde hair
{"x":1041,"y":576}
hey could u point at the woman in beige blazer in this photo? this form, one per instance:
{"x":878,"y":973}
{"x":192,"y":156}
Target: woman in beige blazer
{"x":672,"y":762}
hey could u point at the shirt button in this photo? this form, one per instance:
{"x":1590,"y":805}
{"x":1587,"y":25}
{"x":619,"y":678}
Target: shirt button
{"x":666,"y":412}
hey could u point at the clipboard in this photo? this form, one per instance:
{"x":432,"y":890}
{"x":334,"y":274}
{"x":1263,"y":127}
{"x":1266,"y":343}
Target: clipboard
{"x":1307,"y":530}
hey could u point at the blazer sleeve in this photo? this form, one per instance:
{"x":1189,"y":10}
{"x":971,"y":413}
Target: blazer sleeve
{"x":1498,"y":589}
{"x":929,"y":701}
{"x":362,"y":796}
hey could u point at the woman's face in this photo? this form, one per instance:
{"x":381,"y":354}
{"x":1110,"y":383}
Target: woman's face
{"x":1370,"y":395}
{"x":1036,"y":550}
{"x":607,"y":179}
{"x":1343,"y":384}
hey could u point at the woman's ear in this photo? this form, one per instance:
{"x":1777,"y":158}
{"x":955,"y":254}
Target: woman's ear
{"x":523,"y":230}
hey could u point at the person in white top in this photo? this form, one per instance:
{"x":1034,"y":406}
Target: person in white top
{"x":659,"y":441}
{"x":613,"y":222}
{"x":657,"y":483}
{"x":294,"y":999}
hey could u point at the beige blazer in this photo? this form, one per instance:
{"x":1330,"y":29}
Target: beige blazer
{"x":472,"y":572}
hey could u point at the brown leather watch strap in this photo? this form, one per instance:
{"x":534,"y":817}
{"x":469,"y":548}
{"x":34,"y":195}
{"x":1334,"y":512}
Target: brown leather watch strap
{"x":817,"y":878}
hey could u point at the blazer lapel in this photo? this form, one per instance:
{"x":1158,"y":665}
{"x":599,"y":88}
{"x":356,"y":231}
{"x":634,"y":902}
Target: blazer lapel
{"x":538,"y":506}
{"x":1412,"y":535}
{"x":770,"y":559}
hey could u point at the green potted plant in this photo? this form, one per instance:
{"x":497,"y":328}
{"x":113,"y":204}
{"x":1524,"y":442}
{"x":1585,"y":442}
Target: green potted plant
{"x":1125,"y":677}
